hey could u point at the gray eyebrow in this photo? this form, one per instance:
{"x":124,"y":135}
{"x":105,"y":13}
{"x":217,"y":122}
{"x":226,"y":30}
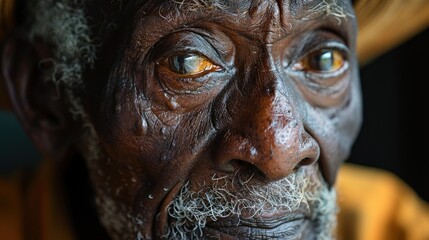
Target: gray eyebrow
{"x":327,"y":8}
{"x":324,"y":7}
{"x":314,"y":8}
{"x":195,"y":5}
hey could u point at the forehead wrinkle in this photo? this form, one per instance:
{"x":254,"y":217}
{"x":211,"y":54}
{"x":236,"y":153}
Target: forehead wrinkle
{"x":256,"y":13}
{"x":295,"y":6}
{"x":276,"y":15}
{"x":270,"y":19}
{"x":200,"y":5}
{"x":315,"y":9}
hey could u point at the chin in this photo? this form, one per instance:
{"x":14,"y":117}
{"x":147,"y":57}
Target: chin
{"x":296,"y":229}
{"x":301,"y":206}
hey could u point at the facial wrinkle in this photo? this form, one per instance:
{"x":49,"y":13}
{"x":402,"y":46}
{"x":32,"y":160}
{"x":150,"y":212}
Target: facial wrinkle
{"x":296,"y":7}
{"x":282,"y":16}
{"x":316,"y":9}
{"x":269,"y":16}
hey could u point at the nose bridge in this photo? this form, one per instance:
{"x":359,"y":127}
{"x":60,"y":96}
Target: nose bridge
{"x":266,"y":129}
{"x":272,"y":95}
{"x":273,"y":125}
{"x":274,"y":128}
{"x":274,"y":118}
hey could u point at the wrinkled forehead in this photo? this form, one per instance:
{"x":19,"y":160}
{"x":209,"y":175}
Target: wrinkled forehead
{"x":265,"y":20}
{"x":242,"y":5}
{"x":289,"y":7}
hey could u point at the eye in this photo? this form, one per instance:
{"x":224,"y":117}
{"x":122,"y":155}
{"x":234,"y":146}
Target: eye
{"x":189,"y":65}
{"x":322,"y":61}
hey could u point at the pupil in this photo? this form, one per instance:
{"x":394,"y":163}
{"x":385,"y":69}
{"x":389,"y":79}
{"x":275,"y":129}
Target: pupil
{"x":184,"y":64}
{"x":324,"y":61}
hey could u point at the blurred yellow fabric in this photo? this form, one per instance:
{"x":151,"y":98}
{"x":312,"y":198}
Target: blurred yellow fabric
{"x":31,"y":206}
{"x":376,"y":205}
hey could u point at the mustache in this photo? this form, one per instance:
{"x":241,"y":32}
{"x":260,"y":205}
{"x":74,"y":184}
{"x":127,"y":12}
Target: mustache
{"x":240,"y":197}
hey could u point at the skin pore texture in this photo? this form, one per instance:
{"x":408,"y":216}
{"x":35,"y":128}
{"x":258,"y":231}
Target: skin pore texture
{"x":209,"y":119}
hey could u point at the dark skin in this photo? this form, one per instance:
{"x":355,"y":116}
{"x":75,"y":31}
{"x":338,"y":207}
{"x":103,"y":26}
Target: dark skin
{"x":187,"y":95}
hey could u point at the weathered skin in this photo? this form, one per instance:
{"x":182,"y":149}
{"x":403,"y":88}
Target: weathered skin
{"x":255,"y":112}
{"x":258,"y":111}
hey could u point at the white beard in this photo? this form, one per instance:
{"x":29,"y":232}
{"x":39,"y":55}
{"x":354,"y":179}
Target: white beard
{"x":191,"y":210}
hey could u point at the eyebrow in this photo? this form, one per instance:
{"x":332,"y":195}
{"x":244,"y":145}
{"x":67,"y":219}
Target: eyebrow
{"x":195,"y":5}
{"x":329,"y":8}
{"x":316,"y":8}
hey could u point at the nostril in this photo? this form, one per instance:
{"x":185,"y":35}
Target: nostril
{"x":306,"y":161}
{"x":247,"y":170}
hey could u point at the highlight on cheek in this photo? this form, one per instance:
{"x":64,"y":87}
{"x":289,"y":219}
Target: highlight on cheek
{"x":322,"y":61}
{"x":189,"y":65}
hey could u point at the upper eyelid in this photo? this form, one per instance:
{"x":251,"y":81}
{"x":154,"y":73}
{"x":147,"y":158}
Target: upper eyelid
{"x":335,"y":45}
{"x":331,"y":45}
{"x":312,"y":41}
{"x":186,"y":51}
{"x":209,"y":52}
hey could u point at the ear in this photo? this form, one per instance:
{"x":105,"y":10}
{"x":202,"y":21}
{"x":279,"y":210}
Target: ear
{"x":34,"y":96}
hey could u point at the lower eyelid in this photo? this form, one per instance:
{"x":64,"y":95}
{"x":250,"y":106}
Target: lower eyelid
{"x":186,"y":85}
{"x":324,"y":94}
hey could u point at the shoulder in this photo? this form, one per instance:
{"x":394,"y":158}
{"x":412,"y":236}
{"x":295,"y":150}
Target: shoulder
{"x":375,"y":204}
{"x":31,"y":204}
{"x":11,"y":207}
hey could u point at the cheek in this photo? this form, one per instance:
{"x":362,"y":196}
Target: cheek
{"x":136,"y":171}
{"x":137,"y":140}
{"x":335,"y":130}
{"x":143,"y":139}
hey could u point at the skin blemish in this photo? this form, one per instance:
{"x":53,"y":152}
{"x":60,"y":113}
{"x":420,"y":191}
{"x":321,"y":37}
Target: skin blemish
{"x":253,"y":152}
{"x":172,"y":104}
{"x":163,"y":131}
{"x":141,"y":127}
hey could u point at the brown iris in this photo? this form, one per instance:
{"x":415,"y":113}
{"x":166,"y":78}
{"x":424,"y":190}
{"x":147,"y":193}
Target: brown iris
{"x":323,"y":61}
{"x":189,"y":65}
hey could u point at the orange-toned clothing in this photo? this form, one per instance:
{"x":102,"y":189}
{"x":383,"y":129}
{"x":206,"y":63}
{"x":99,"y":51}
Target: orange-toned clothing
{"x":374,"y":205}
{"x":33,"y":210}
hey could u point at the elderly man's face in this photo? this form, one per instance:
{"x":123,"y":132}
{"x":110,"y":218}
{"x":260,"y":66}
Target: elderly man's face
{"x":223,"y":121}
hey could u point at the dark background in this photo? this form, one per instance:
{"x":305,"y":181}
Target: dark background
{"x":395,"y":133}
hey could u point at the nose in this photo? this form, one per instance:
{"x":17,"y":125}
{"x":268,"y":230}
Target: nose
{"x":268,"y":136}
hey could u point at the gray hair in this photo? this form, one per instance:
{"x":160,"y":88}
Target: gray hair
{"x":64,"y":25}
